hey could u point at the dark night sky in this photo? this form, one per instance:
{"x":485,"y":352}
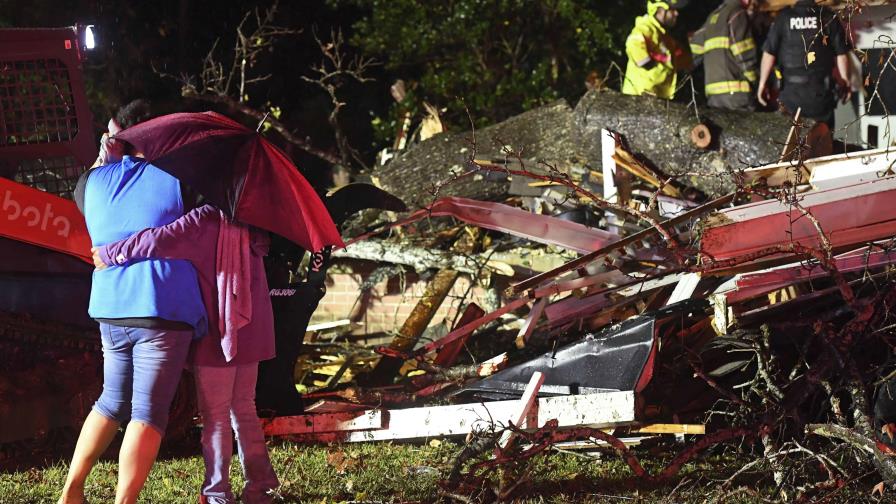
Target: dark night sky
{"x":173,"y":36}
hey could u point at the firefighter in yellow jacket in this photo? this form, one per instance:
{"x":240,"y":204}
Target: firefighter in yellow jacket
{"x":730,"y":56}
{"x":653,"y":55}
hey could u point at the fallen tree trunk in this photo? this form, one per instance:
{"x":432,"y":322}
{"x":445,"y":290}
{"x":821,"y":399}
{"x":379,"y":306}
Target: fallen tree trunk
{"x":415,"y":173}
{"x":660,"y":131}
{"x":569,"y":140}
{"x":420,"y":259}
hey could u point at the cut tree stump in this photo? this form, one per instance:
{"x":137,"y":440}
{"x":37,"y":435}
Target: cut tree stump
{"x":660,"y":130}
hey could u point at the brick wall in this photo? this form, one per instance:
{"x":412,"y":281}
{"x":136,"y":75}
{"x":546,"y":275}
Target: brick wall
{"x":388,"y":304}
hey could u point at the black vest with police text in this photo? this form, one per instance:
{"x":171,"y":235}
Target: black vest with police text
{"x":805,"y":47}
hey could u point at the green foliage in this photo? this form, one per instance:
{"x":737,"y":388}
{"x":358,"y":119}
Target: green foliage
{"x":494,"y":57}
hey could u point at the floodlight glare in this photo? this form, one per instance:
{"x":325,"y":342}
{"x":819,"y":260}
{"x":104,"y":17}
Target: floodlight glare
{"x":89,"y":40}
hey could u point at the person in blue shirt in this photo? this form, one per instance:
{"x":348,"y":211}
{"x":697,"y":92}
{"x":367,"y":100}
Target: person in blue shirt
{"x":149,"y":312}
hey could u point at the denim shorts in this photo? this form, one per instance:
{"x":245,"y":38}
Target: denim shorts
{"x":141,"y":370}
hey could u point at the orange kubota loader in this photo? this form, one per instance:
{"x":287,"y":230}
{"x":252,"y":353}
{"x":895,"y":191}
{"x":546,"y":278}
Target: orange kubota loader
{"x":50,"y":362}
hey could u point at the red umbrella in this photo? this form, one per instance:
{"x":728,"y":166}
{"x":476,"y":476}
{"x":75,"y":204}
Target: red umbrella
{"x":239,"y":172}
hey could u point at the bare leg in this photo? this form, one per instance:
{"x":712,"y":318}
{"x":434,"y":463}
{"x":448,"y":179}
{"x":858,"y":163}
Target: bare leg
{"x":96,"y":434}
{"x":138,"y":453}
{"x":159,"y":357}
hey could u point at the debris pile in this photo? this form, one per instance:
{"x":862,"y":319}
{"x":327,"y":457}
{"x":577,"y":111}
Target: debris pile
{"x":759,"y":316}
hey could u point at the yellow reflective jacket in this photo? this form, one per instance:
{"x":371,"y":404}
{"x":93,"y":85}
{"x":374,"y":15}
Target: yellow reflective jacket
{"x":653,"y":57}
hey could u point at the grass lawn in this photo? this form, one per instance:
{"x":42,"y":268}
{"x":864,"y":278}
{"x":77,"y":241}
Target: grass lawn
{"x":403,"y":473}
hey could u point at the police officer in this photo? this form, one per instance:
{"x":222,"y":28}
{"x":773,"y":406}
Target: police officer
{"x":730,"y":56}
{"x":653,"y":55}
{"x":806,"y":41}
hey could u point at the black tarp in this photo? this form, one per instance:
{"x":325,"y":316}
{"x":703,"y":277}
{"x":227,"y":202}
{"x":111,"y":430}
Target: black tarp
{"x":620,"y":357}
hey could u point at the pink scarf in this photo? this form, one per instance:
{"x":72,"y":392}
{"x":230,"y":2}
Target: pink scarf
{"x":234,"y":282}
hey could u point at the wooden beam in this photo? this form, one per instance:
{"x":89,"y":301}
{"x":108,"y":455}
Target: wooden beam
{"x":531,"y":321}
{"x":492,"y":366}
{"x":527,"y":401}
{"x":324,"y":422}
{"x":610,"y":409}
{"x":699,"y":429}
{"x":855,"y":165}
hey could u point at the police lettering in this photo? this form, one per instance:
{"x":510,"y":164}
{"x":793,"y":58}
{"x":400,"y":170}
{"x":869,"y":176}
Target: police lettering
{"x":282,"y":292}
{"x":804,"y":23}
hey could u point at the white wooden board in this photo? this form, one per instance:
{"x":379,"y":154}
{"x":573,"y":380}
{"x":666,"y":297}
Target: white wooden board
{"x":607,"y":409}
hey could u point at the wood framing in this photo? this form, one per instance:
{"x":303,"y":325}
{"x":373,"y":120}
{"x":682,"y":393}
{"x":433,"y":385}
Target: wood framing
{"x":610,"y":409}
{"x":669,"y":429}
{"x":520,"y":418}
{"x":851,"y":164}
{"x":324,"y":422}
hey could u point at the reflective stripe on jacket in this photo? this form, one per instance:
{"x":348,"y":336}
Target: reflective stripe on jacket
{"x":730,"y":56}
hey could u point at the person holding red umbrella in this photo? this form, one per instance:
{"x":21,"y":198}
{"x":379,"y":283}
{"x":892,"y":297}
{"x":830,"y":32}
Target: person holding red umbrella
{"x":251,"y":182}
{"x":238,"y":171}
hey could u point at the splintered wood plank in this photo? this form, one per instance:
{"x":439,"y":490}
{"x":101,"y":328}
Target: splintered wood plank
{"x":448,"y":353}
{"x":530,"y":396}
{"x":609,"y":409}
{"x":493,"y":365}
{"x":823,"y":172}
{"x":323,"y":422}
{"x":670,"y":429}
{"x":531,"y":321}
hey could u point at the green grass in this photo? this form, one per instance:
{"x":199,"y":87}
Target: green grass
{"x":387,"y":472}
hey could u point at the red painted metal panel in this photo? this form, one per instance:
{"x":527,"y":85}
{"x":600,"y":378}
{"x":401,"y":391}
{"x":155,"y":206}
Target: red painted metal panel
{"x":848,"y":215}
{"x":759,"y":283}
{"x":42,"y":219}
{"x":499,"y":217}
{"x":448,"y":353}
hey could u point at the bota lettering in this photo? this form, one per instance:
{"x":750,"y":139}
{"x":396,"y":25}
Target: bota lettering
{"x":34,"y":217}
